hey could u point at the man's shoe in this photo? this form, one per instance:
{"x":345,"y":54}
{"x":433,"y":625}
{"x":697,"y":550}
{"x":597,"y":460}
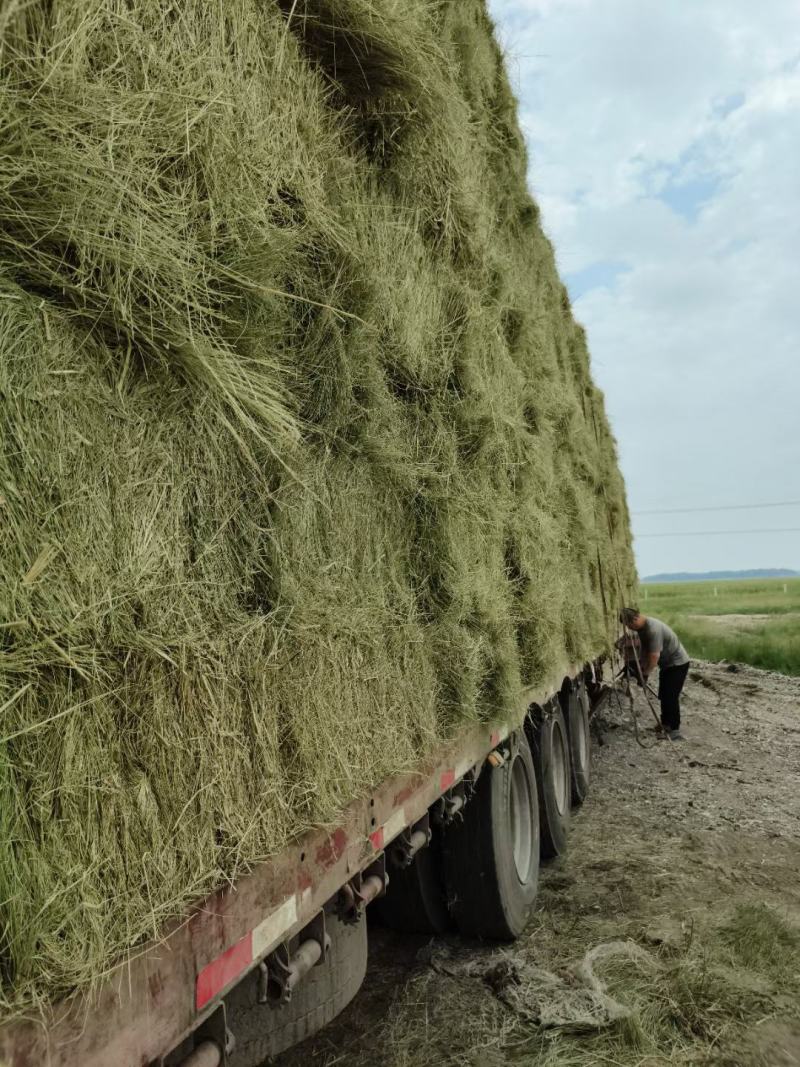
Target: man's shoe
{"x":675,"y":735}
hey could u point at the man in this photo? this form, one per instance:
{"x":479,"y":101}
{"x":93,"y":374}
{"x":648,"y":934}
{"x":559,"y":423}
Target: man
{"x":661,"y":647}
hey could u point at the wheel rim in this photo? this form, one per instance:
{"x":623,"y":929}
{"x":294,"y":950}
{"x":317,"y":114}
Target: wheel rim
{"x":522,"y":829}
{"x":559,"y":768}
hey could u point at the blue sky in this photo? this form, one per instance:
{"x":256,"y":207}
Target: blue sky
{"x":664,"y":143}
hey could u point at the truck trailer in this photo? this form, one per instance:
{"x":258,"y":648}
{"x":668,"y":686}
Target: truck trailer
{"x":313,"y":530}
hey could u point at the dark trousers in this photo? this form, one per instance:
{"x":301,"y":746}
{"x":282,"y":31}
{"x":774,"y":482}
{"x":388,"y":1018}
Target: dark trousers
{"x":670,"y":683}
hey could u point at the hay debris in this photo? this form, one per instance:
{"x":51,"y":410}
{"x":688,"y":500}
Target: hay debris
{"x":574,"y":1001}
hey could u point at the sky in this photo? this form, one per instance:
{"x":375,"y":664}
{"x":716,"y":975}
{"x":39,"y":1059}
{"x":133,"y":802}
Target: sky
{"x":664,"y":145}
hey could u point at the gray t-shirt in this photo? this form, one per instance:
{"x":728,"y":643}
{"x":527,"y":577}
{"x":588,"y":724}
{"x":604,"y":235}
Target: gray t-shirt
{"x":658,"y":637}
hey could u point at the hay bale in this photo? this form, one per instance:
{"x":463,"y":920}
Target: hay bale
{"x":302,"y":465}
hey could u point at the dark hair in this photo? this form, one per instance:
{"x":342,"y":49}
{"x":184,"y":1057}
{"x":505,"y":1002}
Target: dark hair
{"x":627,"y":615}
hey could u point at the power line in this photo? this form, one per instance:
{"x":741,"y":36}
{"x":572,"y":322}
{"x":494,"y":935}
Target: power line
{"x":716,"y":533}
{"x":720,"y":507}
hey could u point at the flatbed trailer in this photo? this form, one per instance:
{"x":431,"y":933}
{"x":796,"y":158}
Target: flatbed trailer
{"x":242,"y":959}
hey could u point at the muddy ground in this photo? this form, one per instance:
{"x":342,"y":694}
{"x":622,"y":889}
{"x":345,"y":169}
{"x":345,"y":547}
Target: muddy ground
{"x":683,"y":874}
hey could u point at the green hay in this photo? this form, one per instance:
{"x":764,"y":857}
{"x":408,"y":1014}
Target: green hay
{"x":302,"y":464}
{"x":762,"y":940}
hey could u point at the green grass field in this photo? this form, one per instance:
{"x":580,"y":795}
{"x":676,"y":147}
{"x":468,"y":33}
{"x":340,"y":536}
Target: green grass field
{"x":754,"y":621}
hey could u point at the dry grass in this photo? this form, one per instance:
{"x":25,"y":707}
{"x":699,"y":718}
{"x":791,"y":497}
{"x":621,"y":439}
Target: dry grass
{"x":302,"y":464}
{"x":695,"y":1001}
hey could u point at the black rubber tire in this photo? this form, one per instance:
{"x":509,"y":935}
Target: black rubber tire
{"x":552,"y":762}
{"x":416,"y":902}
{"x":262,"y":1031}
{"x":575,"y":705}
{"x":488,"y":896}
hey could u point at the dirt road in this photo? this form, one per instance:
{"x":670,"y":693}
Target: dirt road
{"x":683,"y":875}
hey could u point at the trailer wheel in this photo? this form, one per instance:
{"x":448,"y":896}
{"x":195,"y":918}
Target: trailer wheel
{"x":262,"y":1031}
{"x":415,"y":902}
{"x":491,"y":856}
{"x":575,"y":705}
{"x":553,"y":775}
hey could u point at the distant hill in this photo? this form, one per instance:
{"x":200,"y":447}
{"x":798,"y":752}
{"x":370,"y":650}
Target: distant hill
{"x":721,"y":576}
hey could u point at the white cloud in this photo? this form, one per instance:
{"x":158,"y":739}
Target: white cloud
{"x":665,"y":137}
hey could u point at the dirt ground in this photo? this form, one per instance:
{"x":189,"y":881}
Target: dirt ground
{"x":683,"y":876}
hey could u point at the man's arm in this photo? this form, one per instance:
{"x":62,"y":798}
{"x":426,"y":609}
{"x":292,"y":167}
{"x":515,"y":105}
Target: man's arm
{"x":650,"y":662}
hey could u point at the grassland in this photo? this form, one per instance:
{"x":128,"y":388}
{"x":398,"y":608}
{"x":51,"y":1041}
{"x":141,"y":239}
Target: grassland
{"x":754,"y":621}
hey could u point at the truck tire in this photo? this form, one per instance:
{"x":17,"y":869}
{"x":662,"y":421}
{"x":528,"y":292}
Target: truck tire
{"x":575,"y":705}
{"x":552,"y":762}
{"x":491,"y":856}
{"x":415,"y":902}
{"x":262,"y":1031}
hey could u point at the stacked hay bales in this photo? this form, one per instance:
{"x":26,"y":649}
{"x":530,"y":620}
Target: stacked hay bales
{"x":302,"y":464}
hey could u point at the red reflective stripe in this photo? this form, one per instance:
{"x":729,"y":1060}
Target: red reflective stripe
{"x":221,"y":972}
{"x":377,"y":839}
{"x":447,"y":779}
